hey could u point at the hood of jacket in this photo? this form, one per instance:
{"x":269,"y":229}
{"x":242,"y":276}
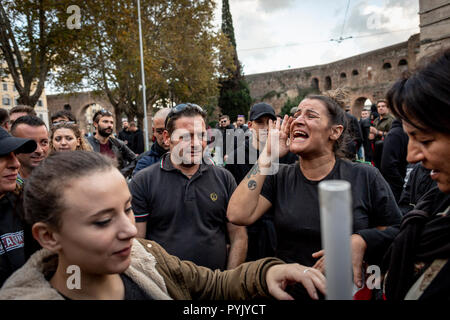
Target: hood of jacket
{"x":397,"y":124}
{"x":29,"y":282}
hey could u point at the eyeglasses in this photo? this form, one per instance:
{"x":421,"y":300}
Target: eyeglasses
{"x":181,"y":107}
{"x":102,"y":112}
{"x":63,"y":122}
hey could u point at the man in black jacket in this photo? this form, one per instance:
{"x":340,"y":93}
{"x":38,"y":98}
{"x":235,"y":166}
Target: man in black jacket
{"x":138,"y":145}
{"x":105,"y":143}
{"x":355,"y":134}
{"x":227,"y":131}
{"x":393,"y":159}
{"x":365,"y":124}
{"x":126,"y":135}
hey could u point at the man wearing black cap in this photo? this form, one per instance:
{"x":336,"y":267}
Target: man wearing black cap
{"x":261,"y":235}
{"x":256,"y":137}
{"x":12,"y":250}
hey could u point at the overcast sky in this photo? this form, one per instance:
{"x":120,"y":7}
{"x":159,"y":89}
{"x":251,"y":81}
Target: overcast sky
{"x":281,"y":34}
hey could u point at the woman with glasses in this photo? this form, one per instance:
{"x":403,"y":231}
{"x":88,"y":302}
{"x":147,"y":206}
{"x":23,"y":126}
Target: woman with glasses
{"x":67,"y":136}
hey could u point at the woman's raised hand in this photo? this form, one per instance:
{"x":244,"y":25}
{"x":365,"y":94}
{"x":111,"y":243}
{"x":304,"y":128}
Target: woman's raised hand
{"x":277,"y":145}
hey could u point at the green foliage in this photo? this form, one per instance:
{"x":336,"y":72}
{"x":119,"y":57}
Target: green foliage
{"x":227,"y":22}
{"x":35,"y":41}
{"x":183,"y":57}
{"x":235,"y":98}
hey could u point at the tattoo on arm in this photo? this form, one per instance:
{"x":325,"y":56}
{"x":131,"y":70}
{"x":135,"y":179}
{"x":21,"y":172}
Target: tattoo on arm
{"x":252,"y":184}
{"x":253,"y":171}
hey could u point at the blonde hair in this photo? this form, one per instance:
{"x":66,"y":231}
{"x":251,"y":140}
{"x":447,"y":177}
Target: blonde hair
{"x":84,"y":145}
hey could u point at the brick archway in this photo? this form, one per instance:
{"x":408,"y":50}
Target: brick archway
{"x":358,"y":105}
{"x":79,"y":103}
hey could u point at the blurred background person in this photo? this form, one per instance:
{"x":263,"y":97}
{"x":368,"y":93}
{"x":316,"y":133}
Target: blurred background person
{"x":19,"y":111}
{"x":159,"y":146}
{"x":138,"y":145}
{"x":4,"y":119}
{"x":63,"y":116}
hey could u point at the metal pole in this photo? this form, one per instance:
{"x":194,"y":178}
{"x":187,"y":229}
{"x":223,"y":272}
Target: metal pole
{"x":144,"y":99}
{"x":336,"y":228}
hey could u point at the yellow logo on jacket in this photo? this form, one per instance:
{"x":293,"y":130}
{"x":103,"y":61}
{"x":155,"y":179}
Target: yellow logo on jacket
{"x":213,"y":196}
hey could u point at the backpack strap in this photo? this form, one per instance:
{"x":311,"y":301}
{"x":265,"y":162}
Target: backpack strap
{"x":425,"y":279}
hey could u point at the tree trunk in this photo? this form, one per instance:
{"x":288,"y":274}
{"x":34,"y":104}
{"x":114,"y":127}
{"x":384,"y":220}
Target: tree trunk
{"x":118,"y":116}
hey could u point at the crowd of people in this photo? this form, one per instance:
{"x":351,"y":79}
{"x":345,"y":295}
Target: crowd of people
{"x":168,"y":223}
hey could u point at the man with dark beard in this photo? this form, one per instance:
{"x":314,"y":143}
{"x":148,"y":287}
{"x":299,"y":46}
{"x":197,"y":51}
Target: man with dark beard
{"x":105,"y":143}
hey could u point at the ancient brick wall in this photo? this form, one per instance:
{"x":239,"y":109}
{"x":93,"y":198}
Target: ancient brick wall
{"x":78,"y":102}
{"x":367,"y":75}
{"x":434,"y":26}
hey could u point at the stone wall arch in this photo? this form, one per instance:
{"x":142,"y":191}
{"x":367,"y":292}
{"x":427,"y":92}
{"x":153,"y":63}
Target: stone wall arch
{"x":79,"y":102}
{"x":315,"y":83}
{"x":328,"y":83}
{"x":358,"y":105}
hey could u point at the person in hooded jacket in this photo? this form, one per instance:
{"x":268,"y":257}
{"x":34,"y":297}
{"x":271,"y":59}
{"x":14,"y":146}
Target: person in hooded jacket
{"x":393,"y":159}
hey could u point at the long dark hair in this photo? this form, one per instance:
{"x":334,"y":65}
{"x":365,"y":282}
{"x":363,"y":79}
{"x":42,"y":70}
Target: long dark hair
{"x":332,"y":102}
{"x":43,"y":200}
{"x":423,"y":99}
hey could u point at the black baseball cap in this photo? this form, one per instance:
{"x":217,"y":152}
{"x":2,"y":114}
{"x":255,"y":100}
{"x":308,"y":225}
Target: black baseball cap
{"x":262,"y":109}
{"x":9,"y":144}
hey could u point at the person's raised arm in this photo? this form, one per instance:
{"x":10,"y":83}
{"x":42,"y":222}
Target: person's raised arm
{"x":246,"y":204}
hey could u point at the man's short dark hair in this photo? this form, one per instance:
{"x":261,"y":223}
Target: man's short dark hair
{"x":23,"y":108}
{"x":381,"y":100}
{"x":101,"y":113}
{"x":189,"y":111}
{"x":64,"y":113}
{"x":32,"y":121}
{"x":224,"y":116}
{"x":4,"y":116}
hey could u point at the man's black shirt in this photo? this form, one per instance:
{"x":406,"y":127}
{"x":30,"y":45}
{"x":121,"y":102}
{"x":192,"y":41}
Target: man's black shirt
{"x":187,"y":217}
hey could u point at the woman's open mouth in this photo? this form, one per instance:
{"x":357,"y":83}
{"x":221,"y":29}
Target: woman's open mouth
{"x":299,"y":135}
